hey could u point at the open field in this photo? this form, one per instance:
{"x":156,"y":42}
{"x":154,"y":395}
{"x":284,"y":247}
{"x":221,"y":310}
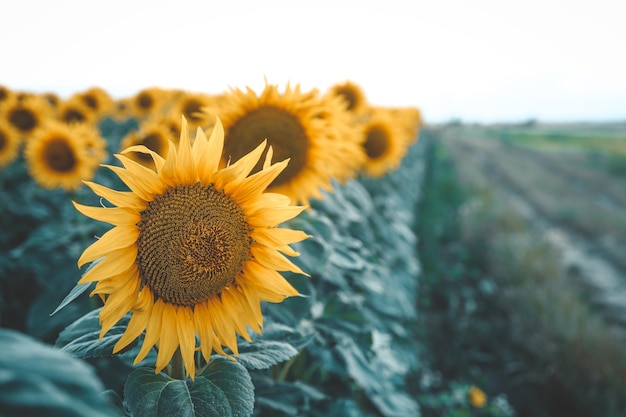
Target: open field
{"x":524,"y":285}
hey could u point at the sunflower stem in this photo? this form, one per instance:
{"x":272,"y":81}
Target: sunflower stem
{"x":282,"y":375}
{"x":177,"y":367}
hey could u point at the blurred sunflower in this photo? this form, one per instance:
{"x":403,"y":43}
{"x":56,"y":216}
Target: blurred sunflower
{"x":74,"y":110}
{"x":147,"y":102}
{"x":476,"y":397}
{"x":410,"y":121}
{"x":5,"y":94}
{"x":52,"y":99}
{"x":191,"y":105}
{"x":61,"y":156}
{"x":9,"y":144}
{"x":384,"y":145}
{"x":97,"y":99}
{"x":194,"y":250}
{"x":293,"y":125}
{"x":25,"y":114}
{"x":153,"y":135}
{"x":352,"y":93}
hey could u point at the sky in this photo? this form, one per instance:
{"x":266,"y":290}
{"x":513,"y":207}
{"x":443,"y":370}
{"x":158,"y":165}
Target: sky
{"x":477,"y":61}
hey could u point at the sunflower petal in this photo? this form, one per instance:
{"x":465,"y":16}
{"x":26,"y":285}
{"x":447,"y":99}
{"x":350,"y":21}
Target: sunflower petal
{"x":118,"y":304}
{"x":205,"y":331}
{"x":113,"y":215}
{"x":272,"y":216}
{"x":185,"y":164}
{"x":168,"y":341}
{"x":232,"y":303}
{"x":117,"y":198}
{"x":222,"y":324}
{"x":153,"y":331}
{"x":149,"y":178}
{"x":256,"y":183}
{"x":138,"y":320}
{"x":156,"y":158}
{"x":213,"y":155}
{"x":133,"y":182}
{"x":267,"y":278}
{"x":187,"y":338}
{"x":116,"y":238}
{"x":114,"y":262}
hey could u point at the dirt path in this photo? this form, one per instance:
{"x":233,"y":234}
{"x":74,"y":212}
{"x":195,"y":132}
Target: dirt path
{"x":594,"y":258}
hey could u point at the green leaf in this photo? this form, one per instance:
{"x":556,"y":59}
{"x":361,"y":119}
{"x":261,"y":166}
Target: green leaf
{"x":234,"y":380}
{"x":74,"y":294}
{"x":36,"y":379}
{"x":82,"y":338}
{"x":264,"y":354}
{"x":224,"y":390}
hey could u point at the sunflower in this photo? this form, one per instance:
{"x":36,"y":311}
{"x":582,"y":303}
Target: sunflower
{"x":194,"y":250}
{"x":52,"y":99}
{"x":9,"y":144}
{"x":294,"y":126}
{"x":169,"y":120}
{"x":384,"y":145}
{"x":97,"y":99}
{"x":410,"y":120}
{"x":25,"y":114}
{"x":61,"y":156}
{"x":191,"y":105}
{"x":476,"y":397}
{"x":153,"y":135}
{"x":5,"y":93}
{"x":74,"y":110}
{"x":147,"y":102}
{"x":352,"y":93}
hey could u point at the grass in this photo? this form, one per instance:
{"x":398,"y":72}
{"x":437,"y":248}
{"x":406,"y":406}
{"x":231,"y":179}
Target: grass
{"x":499,"y":309}
{"x":604,"y":138}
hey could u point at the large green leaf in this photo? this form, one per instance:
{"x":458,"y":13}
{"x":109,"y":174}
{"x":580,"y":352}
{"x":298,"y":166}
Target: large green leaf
{"x":37,"y":379}
{"x":224,"y":388}
{"x":264,"y":354}
{"x":234,"y":380}
{"x":157,"y":395}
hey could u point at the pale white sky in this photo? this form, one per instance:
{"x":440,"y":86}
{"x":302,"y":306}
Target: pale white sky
{"x":484,"y":60}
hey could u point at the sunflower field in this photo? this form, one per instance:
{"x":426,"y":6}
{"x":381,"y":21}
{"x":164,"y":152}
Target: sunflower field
{"x":180,"y":253}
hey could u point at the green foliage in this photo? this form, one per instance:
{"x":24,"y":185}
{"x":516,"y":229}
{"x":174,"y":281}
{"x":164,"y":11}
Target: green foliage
{"x":224,"y":388}
{"x":345,"y":348}
{"x":36,"y":379}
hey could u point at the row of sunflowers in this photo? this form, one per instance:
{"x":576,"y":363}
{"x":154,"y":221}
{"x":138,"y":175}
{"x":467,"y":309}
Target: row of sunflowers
{"x":335,"y":135}
{"x":196,"y":301}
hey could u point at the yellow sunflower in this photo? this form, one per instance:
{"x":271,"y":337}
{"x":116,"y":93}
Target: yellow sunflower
{"x":352,"y":93}
{"x":25,"y":114}
{"x":153,"y":135}
{"x":171,"y":121}
{"x":62,"y":156}
{"x":384,"y":145}
{"x":5,"y":93}
{"x":147,"y":102}
{"x":97,"y":99}
{"x":194,"y":250}
{"x":476,"y":397}
{"x":191,"y":105}
{"x":52,"y":99}
{"x":9,"y":144}
{"x":409,"y":120}
{"x":294,"y":126}
{"x":74,"y":110}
